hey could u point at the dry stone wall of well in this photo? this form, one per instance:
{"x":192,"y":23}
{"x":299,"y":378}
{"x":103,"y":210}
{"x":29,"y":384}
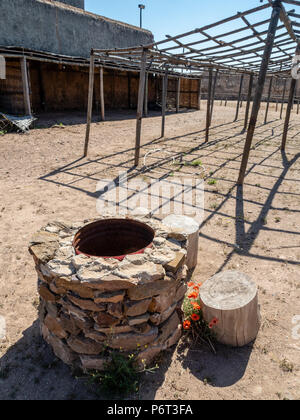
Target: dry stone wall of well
{"x":91,"y":306}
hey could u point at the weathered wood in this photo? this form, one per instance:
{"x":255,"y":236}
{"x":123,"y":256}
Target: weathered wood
{"x":268,"y":100}
{"x":26,"y":89}
{"x":178,"y":95}
{"x":288,"y":113}
{"x":208,"y":105}
{"x":199,"y":93}
{"x":248,"y":101}
{"x":239,"y":98}
{"x":164,"y":103}
{"x":90,"y":103}
{"x":102,"y":103}
{"x":146,"y":94}
{"x":230,"y":299}
{"x":259,"y":89}
{"x":283,"y":98}
{"x":186,"y":228}
{"x":139,"y":116}
{"x":213,"y":95}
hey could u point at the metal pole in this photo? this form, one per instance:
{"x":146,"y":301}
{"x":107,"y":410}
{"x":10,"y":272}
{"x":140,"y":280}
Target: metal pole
{"x":139,"y":116}
{"x":259,"y":89}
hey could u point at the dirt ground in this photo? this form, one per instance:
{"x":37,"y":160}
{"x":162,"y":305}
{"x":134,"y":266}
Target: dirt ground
{"x":254,"y":229}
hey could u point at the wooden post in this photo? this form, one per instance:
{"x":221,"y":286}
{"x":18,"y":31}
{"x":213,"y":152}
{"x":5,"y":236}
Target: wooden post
{"x":248,"y":101}
{"x":298,"y":106}
{"x":239,"y":98}
{"x":208,"y":105}
{"x":139,"y":116}
{"x":259,"y":89}
{"x":90,"y":103}
{"x":129,"y":90}
{"x":199,"y":93}
{"x":283,"y":98}
{"x":229,"y":302}
{"x":178,"y":95}
{"x":164,"y":103}
{"x":146,"y":95}
{"x":226,"y":100}
{"x":288,"y":113}
{"x":26,"y":89}
{"x":213,"y":95}
{"x":268,"y":100}
{"x":102,"y":103}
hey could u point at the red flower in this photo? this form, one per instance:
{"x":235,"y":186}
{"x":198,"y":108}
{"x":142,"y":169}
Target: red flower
{"x":196,"y":288}
{"x":191,"y":284}
{"x":213,"y":322}
{"x":193,"y":295}
{"x":195,"y":317}
{"x":196,"y":306}
{"x":187,"y":325}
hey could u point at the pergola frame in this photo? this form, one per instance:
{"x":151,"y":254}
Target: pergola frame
{"x":182,"y":57}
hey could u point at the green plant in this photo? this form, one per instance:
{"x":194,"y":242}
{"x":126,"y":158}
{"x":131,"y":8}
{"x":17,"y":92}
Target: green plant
{"x":211,"y":182}
{"x":195,"y":163}
{"x":3,"y":132}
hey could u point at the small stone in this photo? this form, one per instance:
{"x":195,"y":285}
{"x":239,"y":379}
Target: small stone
{"x":86,"y":305}
{"x":162,"y":258}
{"x":177,"y":263}
{"x":60,"y":349}
{"x":158,"y":318}
{"x":132,"y":341}
{"x":43,"y":253}
{"x":84,"y":346}
{"x":167,"y":329}
{"x":68,"y":324}
{"x":110,"y":297}
{"x":135,"y":308}
{"x":46,"y":294}
{"x":52,"y":229}
{"x":144,"y":273}
{"x":141,"y":211}
{"x":114,"y":329}
{"x":105,"y":283}
{"x":64,"y":253}
{"x":80,"y":261}
{"x":151,"y":289}
{"x":73,"y":310}
{"x":61,"y":268}
{"x":163,"y":301}
{"x":138,"y":320}
{"x":94,"y":335}
{"x":106,"y":320}
{"x":52,"y":309}
{"x":142,"y":328}
{"x":138,"y":259}
{"x":54,"y":326}
{"x":159,"y":241}
{"x":43,"y":237}
{"x":116,"y":310}
{"x":81,"y":290}
{"x":94,"y":363}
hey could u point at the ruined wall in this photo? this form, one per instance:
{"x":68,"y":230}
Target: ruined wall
{"x":50,"y":26}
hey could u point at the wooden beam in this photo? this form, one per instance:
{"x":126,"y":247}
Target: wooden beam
{"x":178,"y":95}
{"x":146,"y":94}
{"x":164,"y":103}
{"x":259,"y":89}
{"x":213,"y":95}
{"x":26,"y":89}
{"x":288,"y":113}
{"x":90,"y":103}
{"x":251,"y":79}
{"x":199,"y":93}
{"x":102,"y":103}
{"x":238,"y":105}
{"x":139,"y":116}
{"x":268,"y":100}
{"x":283,"y":98}
{"x":208,"y":119}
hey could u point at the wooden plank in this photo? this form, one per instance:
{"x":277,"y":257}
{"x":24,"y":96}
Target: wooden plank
{"x":90,"y":103}
{"x":283,"y":98}
{"x":102,"y":103}
{"x":288,"y":113}
{"x":213,"y":95}
{"x":250,"y":87}
{"x":208,"y":119}
{"x":178,"y":95}
{"x":164,"y":103}
{"x":139,"y":116}
{"x":268,"y":100}
{"x":25,"y":83}
{"x":259,"y":89}
{"x":239,"y":98}
{"x":146,"y":94}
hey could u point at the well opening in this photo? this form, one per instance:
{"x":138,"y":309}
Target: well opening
{"x":113,"y":238}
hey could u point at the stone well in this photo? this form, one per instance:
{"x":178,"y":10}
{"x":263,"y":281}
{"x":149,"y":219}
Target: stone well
{"x":110,"y":284}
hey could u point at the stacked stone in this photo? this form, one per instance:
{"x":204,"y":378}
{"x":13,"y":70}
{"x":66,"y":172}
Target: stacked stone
{"x":90,"y":306}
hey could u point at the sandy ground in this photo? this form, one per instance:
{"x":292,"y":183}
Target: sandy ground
{"x":254,"y":229}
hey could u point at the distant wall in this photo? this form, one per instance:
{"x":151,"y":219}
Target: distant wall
{"x":50,"y":26}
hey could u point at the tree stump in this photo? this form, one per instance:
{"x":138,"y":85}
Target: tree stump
{"x":231,"y":298}
{"x":185,"y":228}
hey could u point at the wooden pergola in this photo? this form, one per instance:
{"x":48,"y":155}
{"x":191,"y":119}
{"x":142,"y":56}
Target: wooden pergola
{"x":263,"y":49}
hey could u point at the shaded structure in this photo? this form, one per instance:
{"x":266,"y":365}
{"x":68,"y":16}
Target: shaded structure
{"x":264,"y":48}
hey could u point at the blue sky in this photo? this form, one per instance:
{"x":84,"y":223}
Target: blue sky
{"x":171,"y":16}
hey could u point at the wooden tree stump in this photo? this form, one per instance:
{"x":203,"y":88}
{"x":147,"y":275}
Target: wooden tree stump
{"x":231,"y":297}
{"x":183,"y":227}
